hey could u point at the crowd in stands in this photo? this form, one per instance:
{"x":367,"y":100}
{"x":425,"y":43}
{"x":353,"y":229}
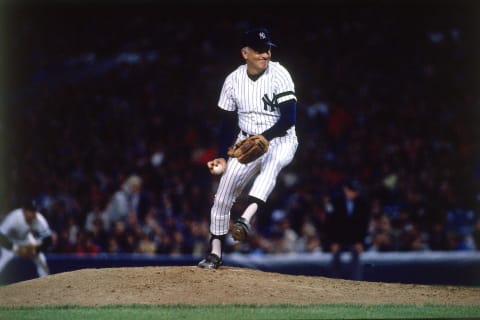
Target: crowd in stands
{"x":114,"y":117}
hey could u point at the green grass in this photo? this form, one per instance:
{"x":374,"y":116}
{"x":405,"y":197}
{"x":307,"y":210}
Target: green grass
{"x":250,"y":312}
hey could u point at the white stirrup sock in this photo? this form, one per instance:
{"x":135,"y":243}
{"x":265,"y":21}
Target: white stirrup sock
{"x":42,"y":266}
{"x":217,"y":247}
{"x":250,"y":211}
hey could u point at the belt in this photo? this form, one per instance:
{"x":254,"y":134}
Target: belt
{"x":249,"y":135}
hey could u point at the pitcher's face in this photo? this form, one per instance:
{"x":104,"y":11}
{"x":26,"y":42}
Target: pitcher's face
{"x":257,"y":59}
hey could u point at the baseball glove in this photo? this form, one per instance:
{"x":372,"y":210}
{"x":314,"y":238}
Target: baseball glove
{"x":27,"y":251}
{"x":249,"y":149}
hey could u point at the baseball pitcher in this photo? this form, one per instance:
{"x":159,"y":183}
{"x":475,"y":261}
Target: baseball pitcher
{"x":258,"y":105}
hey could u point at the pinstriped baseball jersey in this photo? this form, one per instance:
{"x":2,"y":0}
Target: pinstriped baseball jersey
{"x":19,"y":232}
{"x":255,"y":101}
{"x":16,"y":228}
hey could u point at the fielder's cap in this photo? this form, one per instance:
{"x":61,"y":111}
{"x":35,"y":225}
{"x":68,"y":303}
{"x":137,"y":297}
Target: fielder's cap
{"x":354,"y":185}
{"x":30,"y":204}
{"x":257,"y":38}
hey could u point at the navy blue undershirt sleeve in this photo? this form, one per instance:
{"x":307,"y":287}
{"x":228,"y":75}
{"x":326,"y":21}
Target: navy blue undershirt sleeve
{"x":288,"y":110}
{"x":46,"y":243}
{"x":228,"y":131}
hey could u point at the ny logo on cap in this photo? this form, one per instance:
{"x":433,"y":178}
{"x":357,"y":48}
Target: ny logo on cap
{"x":262,"y":35}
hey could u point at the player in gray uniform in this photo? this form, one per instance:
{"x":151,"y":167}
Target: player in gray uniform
{"x":25,"y":226}
{"x":256,"y":98}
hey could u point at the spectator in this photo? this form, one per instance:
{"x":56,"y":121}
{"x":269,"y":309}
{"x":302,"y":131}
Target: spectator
{"x":129,"y":198}
{"x":438,"y":237}
{"x":93,"y":216}
{"x":284,"y":238}
{"x":348,"y":227}
{"x":146,"y":245}
{"x":309,"y":239}
{"x":383,"y":238}
{"x":85,"y":244}
{"x":99,"y":234}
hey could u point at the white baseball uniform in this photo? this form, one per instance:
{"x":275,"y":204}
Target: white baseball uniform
{"x":19,"y":232}
{"x":254,"y":101}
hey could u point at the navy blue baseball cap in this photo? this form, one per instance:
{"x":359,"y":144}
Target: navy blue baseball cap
{"x":354,"y":185}
{"x":257,"y":38}
{"x":30,"y":204}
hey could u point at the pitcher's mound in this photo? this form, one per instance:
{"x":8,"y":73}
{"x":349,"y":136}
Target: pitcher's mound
{"x":227,"y":285}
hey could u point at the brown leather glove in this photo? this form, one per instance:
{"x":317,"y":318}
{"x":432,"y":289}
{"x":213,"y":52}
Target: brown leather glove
{"x":249,"y":149}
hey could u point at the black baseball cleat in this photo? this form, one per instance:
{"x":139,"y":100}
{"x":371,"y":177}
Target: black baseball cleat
{"x":211,"y":261}
{"x":240,"y":229}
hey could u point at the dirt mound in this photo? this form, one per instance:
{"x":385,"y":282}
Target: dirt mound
{"x":227,"y":285}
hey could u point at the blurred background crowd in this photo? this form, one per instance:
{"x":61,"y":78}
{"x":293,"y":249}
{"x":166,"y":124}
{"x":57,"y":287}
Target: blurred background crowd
{"x":112,"y":117}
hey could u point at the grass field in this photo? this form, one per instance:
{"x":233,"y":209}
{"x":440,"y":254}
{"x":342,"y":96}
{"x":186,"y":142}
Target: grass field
{"x":250,"y":312}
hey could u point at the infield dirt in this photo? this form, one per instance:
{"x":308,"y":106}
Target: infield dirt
{"x":227,"y":285}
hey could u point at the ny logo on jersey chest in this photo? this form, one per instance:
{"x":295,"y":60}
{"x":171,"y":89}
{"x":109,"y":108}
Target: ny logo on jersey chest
{"x":269,"y":103}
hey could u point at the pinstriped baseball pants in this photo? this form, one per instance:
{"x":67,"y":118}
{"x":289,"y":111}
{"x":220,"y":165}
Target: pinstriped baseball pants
{"x":264,"y":170}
